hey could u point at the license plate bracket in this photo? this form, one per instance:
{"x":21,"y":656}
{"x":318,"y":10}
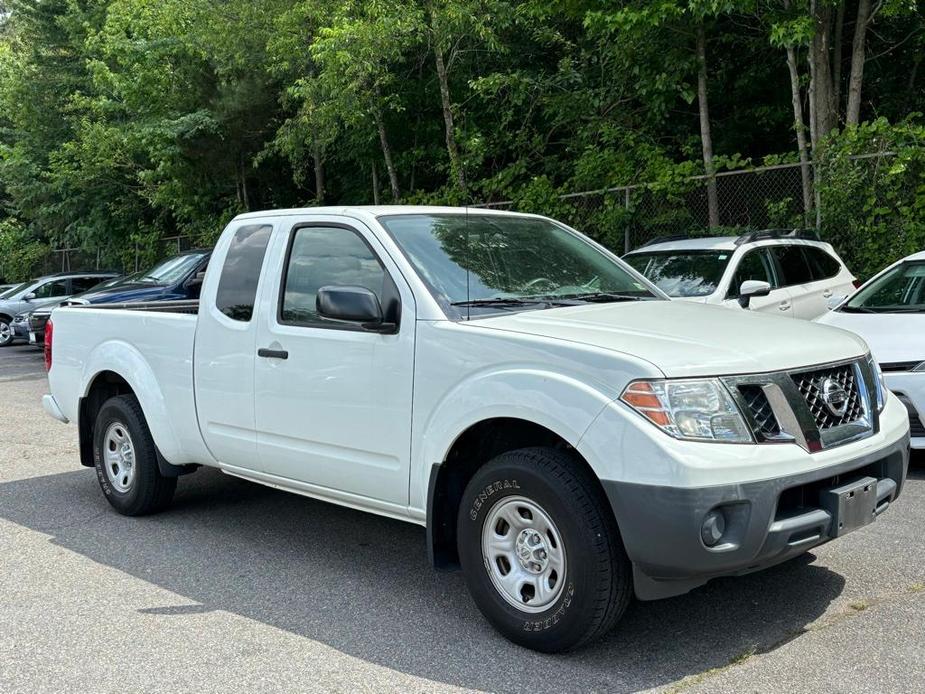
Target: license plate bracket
{"x":852,"y":505}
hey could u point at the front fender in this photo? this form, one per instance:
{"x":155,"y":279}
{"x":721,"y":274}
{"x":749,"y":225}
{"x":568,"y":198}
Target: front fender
{"x":125,"y":360}
{"x":561,"y":403}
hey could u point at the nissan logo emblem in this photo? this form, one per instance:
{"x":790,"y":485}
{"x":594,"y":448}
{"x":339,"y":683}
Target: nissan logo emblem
{"x":834,"y":396}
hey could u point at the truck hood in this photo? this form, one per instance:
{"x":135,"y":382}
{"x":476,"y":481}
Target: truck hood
{"x":687,"y":339}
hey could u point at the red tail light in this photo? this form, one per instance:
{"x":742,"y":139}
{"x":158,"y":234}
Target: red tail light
{"x":49,"y":332}
{"x":857,"y":283}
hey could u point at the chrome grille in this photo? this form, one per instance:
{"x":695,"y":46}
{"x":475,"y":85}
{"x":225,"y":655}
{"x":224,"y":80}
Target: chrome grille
{"x":811,"y":385}
{"x":765,"y":422}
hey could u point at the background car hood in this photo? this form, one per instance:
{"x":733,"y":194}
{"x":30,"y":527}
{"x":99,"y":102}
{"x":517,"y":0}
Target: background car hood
{"x":136,"y":291}
{"x":686,"y":339}
{"x":891,"y":336}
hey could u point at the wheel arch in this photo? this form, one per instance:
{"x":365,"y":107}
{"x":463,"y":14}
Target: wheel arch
{"x":102,"y":386}
{"x":470,"y":451}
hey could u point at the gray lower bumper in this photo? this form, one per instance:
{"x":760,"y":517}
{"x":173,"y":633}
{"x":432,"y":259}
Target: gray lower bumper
{"x":767,"y":522}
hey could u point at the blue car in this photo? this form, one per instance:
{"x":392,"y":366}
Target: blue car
{"x":174,"y":279}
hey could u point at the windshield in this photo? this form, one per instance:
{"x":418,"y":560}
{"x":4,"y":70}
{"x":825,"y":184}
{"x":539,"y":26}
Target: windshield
{"x":682,"y":273}
{"x":13,"y":290}
{"x":493,"y":262}
{"x":900,"y":290}
{"x":172,"y":270}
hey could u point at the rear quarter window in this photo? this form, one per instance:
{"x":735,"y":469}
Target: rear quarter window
{"x":237,"y":287}
{"x":794,"y":267}
{"x":822,"y":264}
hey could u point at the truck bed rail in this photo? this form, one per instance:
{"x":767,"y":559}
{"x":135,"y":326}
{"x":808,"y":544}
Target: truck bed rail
{"x":190,"y":306}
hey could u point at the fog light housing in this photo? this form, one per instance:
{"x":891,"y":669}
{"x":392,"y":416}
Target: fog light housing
{"x":713,"y":528}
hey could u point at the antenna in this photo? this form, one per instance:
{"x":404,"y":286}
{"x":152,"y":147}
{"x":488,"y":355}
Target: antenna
{"x":468,"y":266}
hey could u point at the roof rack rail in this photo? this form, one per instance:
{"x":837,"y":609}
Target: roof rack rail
{"x":665,"y":239}
{"x":763,"y":234}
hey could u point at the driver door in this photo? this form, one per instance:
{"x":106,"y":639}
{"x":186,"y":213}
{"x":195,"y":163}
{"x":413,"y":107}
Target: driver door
{"x":756,"y":264}
{"x":333,"y":399}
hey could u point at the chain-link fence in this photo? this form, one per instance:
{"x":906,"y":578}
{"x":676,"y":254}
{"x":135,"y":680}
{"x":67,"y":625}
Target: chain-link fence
{"x":132,"y":258}
{"x":779,"y":196}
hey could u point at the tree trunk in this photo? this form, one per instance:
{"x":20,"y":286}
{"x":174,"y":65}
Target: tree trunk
{"x":242,"y":172}
{"x":456,"y":170}
{"x":375,"y":184}
{"x":319,"y":173}
{"x":706,"y":139}
{"x":387,"y":154}
{"x":800,"y":128}
{"x":858,"y":50}
{"x":837,"y":52}
{"x":826,"y":115}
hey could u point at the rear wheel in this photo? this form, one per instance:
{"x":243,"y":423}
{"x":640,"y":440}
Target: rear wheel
{"x":125,"y":459}
{"x":541,"y":552}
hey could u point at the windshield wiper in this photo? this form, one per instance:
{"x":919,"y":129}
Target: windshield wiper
{"x":499,"y":301}
{"x":604,"y":297}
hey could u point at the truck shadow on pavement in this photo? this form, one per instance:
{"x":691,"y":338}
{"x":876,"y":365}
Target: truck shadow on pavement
{"x":362,"y":584}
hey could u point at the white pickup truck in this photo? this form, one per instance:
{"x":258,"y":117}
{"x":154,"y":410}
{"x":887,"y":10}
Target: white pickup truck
{"x":566,"y":434}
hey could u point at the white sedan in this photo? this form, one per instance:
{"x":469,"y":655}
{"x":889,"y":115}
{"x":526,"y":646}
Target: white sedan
{"x":889,"y":313}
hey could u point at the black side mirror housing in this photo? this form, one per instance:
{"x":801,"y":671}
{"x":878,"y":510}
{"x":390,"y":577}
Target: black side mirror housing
{"x":352,"y":305}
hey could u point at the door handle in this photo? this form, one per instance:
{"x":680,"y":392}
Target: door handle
{"x":272,"y":353}
{"x":827,"y":293}
{"x":785,"y":306}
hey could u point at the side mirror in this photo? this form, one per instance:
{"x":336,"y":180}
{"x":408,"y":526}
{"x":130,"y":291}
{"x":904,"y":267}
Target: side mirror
{"x":196,"y":279}
{"x":750,"y":289}
{"x":352,"y":305}
{"x":29,"y":297}
{"x":834,"y":301}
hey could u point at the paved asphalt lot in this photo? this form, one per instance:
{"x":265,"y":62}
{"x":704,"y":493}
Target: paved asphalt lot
{"x":243,"y":588}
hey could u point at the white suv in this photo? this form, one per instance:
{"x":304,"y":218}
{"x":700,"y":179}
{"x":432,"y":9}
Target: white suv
{"x":788,"y":272}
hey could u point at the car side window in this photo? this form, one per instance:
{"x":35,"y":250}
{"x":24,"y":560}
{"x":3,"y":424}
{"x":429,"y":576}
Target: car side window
{"x":754,"y":265}
{"x":321,"y":256}
{"x":50,"y":289}
{"x":82,"y":284}
{"x":237,"y":287}
{"x":823,"y":265}
{"x":793,"y":265}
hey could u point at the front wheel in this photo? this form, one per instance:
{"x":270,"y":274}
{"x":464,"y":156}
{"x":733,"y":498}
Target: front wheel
{"x":125,"y":459}
{"x":541,"y":552}
{"x":6,"y":332}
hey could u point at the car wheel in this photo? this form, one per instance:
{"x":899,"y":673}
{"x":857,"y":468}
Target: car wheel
{"x":6,"y":333}
{"x":541,"y":551}
{"x":125,"y":459}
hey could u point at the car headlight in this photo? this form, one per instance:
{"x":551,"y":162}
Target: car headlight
{"x":879,"y":384}
{"x":699,"y":410}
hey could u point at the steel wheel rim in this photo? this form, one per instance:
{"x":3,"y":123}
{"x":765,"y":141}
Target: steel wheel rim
{"x":524,"y":554}
{"x":119,"y":457}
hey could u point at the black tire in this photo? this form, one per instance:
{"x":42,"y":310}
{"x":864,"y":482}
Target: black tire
{"x":148,"y":490}
{"x":6,"y":332}
{"x":597,"y":585}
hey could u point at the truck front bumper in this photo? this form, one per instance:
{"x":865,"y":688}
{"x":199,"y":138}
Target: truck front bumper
{"x":766,"y":522}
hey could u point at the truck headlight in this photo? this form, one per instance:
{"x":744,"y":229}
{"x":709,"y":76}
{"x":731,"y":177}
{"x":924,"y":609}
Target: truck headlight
{"x":700,"y":410}
{"x":879,"y":384}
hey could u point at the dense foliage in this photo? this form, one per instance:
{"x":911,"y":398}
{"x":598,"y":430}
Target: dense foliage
{"x":123,"y":121}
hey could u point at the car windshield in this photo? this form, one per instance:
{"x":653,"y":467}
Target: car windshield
{"x":900,"y":290}
{"x":682,"y":273}
{"x":13,"y":290}
{"x":478,"y":263}
{"x":172,"y":270}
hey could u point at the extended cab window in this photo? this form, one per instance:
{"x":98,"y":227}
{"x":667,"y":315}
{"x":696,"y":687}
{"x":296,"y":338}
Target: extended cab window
{"x":754,"y":265}
{"x":237,"y":288}
{"x":323,"y":257}
{"x":793,"y":265}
